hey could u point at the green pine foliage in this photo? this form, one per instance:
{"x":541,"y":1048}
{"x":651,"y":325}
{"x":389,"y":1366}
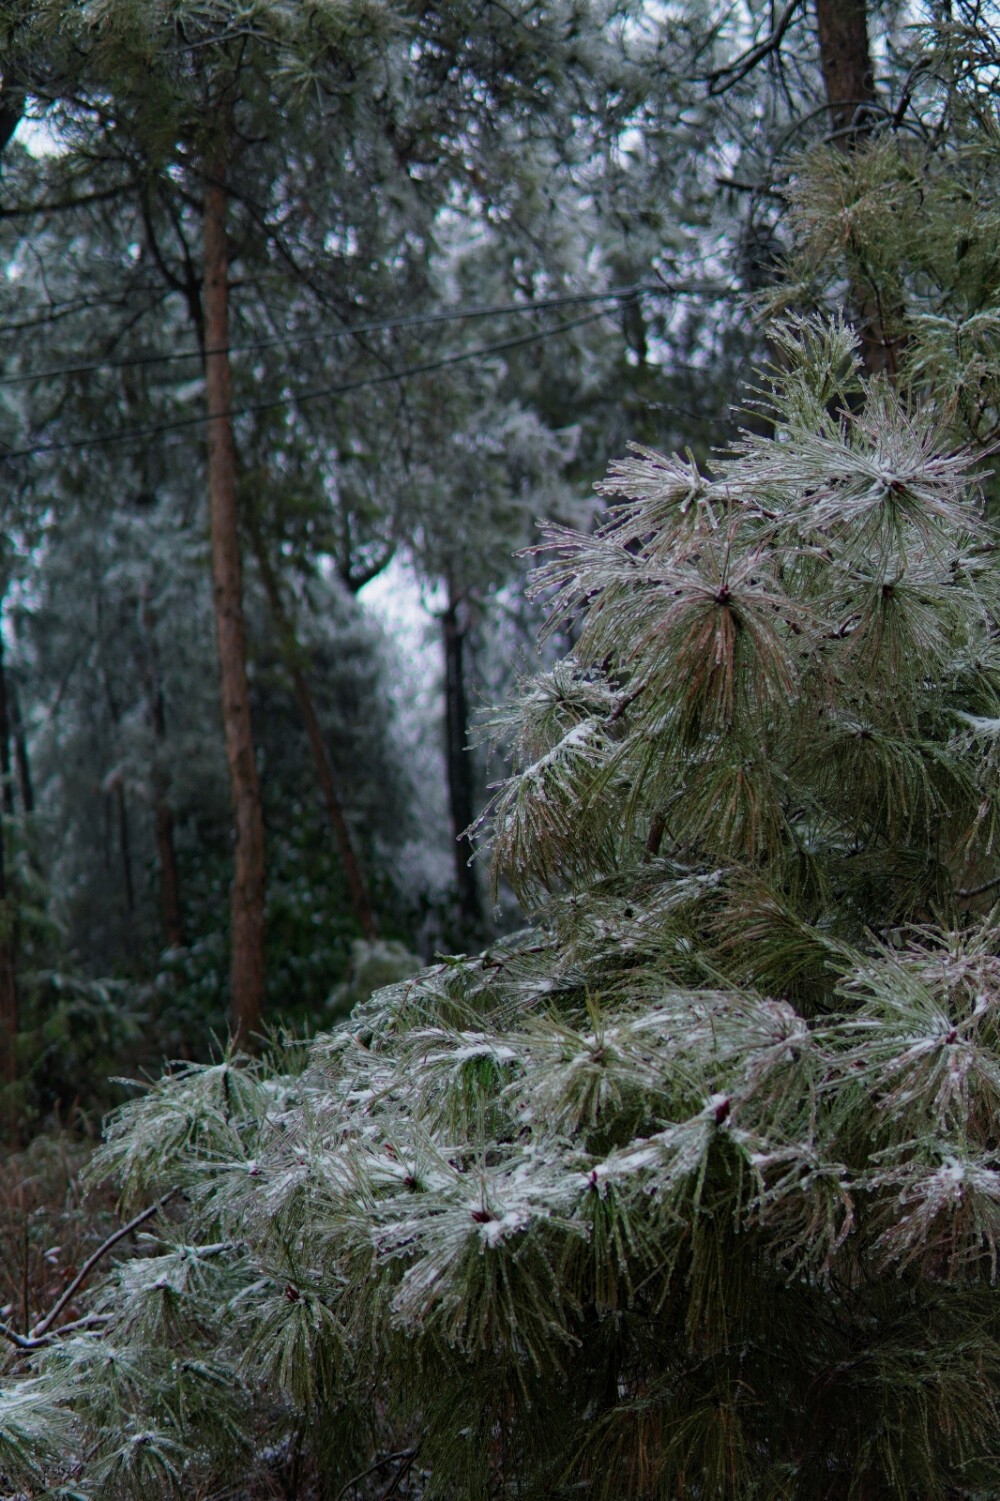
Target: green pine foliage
{"x":692,"y":1188}
{"x":907,"y":223}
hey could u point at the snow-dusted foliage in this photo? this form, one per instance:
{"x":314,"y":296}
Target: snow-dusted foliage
{"x":692,"y":1188}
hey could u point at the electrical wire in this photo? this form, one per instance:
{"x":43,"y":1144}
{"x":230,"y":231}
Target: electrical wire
{"x":450,"y":315}
{"x":425,"y":367}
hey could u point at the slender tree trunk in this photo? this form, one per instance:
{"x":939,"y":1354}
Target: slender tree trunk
{"x":12,"y":97}
{"x":21,"y":752}
{"x":114,"y":785}
{"x":849,"y":80}
{"x":246,"y":973}
{"x":9,"y":1011}
{"x":459,"y":761}
{"x":324,"y":771}
{"x":170,"y":886}
{"x":124,"y":845}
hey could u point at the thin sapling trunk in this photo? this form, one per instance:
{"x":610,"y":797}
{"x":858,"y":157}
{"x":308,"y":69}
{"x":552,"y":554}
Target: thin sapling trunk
{"x":9,"y":1011}
{"x":170,"y":888}
{"x":460,"y":790}
{"x":24,"y":781}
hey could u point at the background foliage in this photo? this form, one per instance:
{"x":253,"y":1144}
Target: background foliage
{"x":689,"y":1186}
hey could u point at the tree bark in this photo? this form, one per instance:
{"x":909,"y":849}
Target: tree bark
{"x":5,"y":767}
{"x":246,"y":973}
{"x":845,"y":58}
{"x":12,"y":99}
{"x":9,"y":1010}
{"x":124,"y":845}
{"x":849,"y":81}
{"x":170,"y":886}
{"x":21,"y":752}
{"x":335,"y":813}
{"x":459,"y":762}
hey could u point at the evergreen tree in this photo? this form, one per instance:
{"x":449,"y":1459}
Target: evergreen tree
{"x":692,"y":1186}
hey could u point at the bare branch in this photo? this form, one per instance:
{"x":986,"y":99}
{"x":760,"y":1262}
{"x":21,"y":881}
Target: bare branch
{"x":32,"y":210}
{"x":380,"y":1464}
{"x":724,"y":78}
{"x":45,"y":1324}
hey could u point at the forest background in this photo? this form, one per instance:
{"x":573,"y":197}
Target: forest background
{"x":547,"y":229}
{"x":309,"y":306}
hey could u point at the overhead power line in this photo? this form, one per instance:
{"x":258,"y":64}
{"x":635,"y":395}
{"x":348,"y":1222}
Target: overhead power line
{"x":425,"y":367}
{"x":416,"y":320}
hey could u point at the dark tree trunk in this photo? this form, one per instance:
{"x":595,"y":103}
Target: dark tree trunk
{"x":170,"y":886}
{"x":124,"y":845}
{"x":459,"y":761}
{"x":21,"y":752}
{"x":9,"y":1011}
{"x":246,"y":973}
{"x":115,"y":785}
{"x":5,"y":767}
{"x":845,"y":57}
{"x":12,"y":97}
{"x":9,"y":1018}
{"x":849,"y":80}
{"x":324,"y":771}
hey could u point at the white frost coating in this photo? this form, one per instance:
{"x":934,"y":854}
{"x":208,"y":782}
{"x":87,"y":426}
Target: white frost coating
{"x":495,"y":1231}
{"x":577,"y":736}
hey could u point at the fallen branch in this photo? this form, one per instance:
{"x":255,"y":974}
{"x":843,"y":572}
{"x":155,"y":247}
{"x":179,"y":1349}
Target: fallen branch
{"x":40,"y":1335}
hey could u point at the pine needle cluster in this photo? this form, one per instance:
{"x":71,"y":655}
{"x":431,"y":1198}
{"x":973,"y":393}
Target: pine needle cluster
{"x":693,"y":1187}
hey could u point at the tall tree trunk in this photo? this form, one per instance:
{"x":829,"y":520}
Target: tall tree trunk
{"x":170,"y":883}
{"x":458,"y":759}
{"x":324,"y":771}
{"x":12,"y":98}
{"x":170,"y":886}
{"x":124,"y":845}
{"x":21,"y":752}
{"x":845,"y":57}
{"x":9,"y":1011}
{"x":114,"y":786}
{"x":246,"y":972}
{"x":5,"y":767}
{"x":849,"y":81}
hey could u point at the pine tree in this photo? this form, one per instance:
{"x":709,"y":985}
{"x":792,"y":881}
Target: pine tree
{"x":907,"y":218}
{"x":692,"y":1187}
